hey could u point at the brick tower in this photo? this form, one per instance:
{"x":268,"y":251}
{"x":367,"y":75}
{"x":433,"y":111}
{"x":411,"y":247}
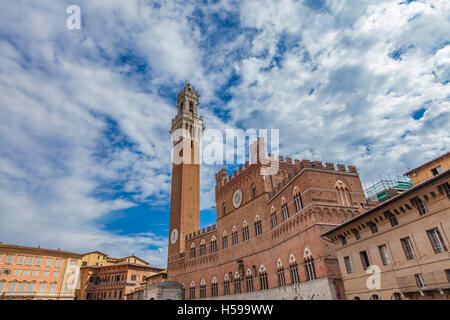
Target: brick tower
{"x":186,"y":130}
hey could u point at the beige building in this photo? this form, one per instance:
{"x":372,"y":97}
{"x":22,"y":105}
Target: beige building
{"x":36,"y":273}
{"x":99,"y":259}
{"x":403,"y":243}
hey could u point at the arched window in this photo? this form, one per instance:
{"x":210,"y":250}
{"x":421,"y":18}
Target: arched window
{"x":214,"y":287}
{"x":281,"y":278}
{"x":375,"y":297}
{"x":191,"y":106}
{"x":297,"y":200}
{"x":183,"y":292}
{"x":249,"y":280}
{"x":203,"y":289}
{"x":237,"y":283}
{"x":284,"y":209}
{"x":309,"y":265}
{"x":343,"y":192}
{"x":234,"y":236}
{"x":273,"y":216}
{"x":356,"y":298}
{"x":226,"y":285}
{"x":225,"y":240}
{"x":192,"y":291}
{"x":264,"y":284}
{"x":293,"y":269}
{"x":202,"y":248}
{"x":258,"y":226}
{"x":192,"y":251}
{"x":224,"y":209}
{"x":397,"y":296}
{"x":213,"y":244}
{"x":245,"y":233}
{"x":253,"y":191}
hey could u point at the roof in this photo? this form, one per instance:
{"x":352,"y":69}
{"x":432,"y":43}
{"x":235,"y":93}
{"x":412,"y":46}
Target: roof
{"x":123,"y":264}
{"x":39,"y":249}
{"x":95,"y":252}
{"x":427,"y":163}
{"x":441,"y":176}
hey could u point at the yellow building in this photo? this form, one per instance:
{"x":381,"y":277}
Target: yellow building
{"x":97,"y":258}
{"x":429,"y":169}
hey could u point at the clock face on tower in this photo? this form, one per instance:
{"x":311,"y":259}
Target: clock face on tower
{"x":237,"y":198}
{"x":174,"y":236}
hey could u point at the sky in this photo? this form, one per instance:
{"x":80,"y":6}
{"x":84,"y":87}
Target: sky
{"x":85,"y":153}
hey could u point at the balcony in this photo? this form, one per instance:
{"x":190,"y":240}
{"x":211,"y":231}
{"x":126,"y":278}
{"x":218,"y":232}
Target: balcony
{"x":438,"y":280}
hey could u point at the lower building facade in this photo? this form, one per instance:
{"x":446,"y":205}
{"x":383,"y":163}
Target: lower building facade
{"x":112,"y":282}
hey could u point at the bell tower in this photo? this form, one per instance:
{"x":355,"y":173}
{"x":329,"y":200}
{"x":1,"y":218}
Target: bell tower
{"x":186,"y":131}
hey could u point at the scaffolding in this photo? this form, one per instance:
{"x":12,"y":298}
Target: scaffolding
{"x":387,"y":188}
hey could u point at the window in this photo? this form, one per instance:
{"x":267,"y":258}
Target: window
{"x":17,"y":272}
{"x":437,"y":242}
{"x":375,"y":297}
{"x":437,"y":170}
{"x":20,"y":260}
{"x":234,"y":238}
{"x":26,"y":273}
{"x":310,"y":270}
{"x":249,"y":281}
{"x":419,"y":280}
{"x":408,"y":248}
{"x":2,"y":286}
{"x":258,"y":228}
{"x":31,"y":287}
{"x":192,"y":252}
{"x":294,"y":273}
{"x":224,"y":210}
{"x":58,"y":263}
{"x":46,"y":273}
{"x":285,"y":210}
{"x":183,"y":293}
{"x":214,"y":289}
{"x":35,"y":273}
{"x":274,"y":219}
{"x":22,"y":286}
{"x":298,"y":202}
{"x":348,"y":265}
{"x":202,"y":291}
{"x":56,"y":274}
{"x":213,"y":245}
{"x":237,"y":286}
{"x":202,"y":249}
{"x":226,"y":287}
{"x":356,"y":233}
{"x":420,"y":205}
{"x":12,"y":287}
{"x":29,"y":261}
{"x":253,"y":192}
{"x":343,"y":240}
{"x":263,"y":280}
{"x":245,"y":233}
{"x":281,"y":278}
{"x":9,"y":259}
{"x":364,"y":259}
{"x":6,"y":271}
{"x":38,"y":262}
{"x":191,"y":107}
{"x":133,"y":277}
{"x":384,"y":254}
{"x":447,"y":273}
{"x":392,"y":219}
{"x":192,"y":293}
{"x":397,"y":296}
{"x":49,"y":262}
{"x":225,"y":242}
{"x":373,"y":227}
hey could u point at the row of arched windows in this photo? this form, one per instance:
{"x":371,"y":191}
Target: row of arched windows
{"x":245,"y":283}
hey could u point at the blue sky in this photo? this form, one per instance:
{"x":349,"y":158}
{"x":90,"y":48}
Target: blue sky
{"x":84,"y":143}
